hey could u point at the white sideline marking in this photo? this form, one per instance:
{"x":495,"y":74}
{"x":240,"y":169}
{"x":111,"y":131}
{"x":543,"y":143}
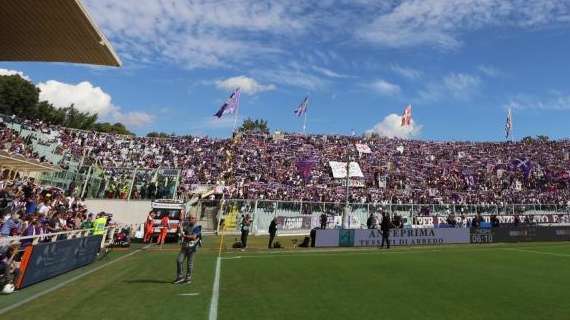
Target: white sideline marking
{"x":189,"y":294}
{"x":230,"y":258}
{"x":215,"y":291}
{"x":332,"y":253}
{"x":539,"y":252}
{"x":62,"y":284}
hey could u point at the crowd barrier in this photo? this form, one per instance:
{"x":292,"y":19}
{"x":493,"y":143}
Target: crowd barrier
{"x":297,"y":217}
{"x":47,"y":260}
{"x":440,"y":236}
{"x":45,"y":256}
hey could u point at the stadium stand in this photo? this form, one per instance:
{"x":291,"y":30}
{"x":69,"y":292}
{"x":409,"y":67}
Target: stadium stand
{"x":261,"y":167}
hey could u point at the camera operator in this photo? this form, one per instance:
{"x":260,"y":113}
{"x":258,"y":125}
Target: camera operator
{"x":190,"y":237}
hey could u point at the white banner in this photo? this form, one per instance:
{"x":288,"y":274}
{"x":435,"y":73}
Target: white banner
{"x":339,"y":169}
{"x":363,"y":148}
{"x":412,"y":237}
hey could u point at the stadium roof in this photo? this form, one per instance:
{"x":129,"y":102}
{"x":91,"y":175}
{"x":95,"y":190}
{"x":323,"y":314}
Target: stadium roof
{"x":21,"y":163}
{"x":52,"y":30}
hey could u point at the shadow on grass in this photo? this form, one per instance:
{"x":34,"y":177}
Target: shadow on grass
{"x":146,"y":281}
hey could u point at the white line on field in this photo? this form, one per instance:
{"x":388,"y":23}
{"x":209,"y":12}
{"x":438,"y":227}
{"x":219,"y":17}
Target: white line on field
{"x":215,"y":291}
{"x":539,"y":252}
{"x":332,"y":253}
{"x":230,"y":258}
{"x":189,"y":294}
{"x":62,"y":284}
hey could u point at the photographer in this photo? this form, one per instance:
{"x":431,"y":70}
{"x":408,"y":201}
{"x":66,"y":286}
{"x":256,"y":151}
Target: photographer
{"x":324,"y":221}
{"x":244,"y":227}
{"x":190,"y":237}
{"x":272,"y":232}
{"x":385,"y":226}
{"x":371,"y":222}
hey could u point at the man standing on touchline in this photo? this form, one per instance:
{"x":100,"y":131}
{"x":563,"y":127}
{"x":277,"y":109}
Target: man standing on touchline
{"x":190,"y":236}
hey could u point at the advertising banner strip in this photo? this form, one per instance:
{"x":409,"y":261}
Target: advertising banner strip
{"x":327,"y":238}
{"x":397,"y":237}
{"x":51,"y":259}
{"x":412,"y":237}
{"x":531,"y":233}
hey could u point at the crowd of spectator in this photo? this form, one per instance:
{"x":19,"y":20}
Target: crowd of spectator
{"x":397,"y":171}
{"x":27,"y":209}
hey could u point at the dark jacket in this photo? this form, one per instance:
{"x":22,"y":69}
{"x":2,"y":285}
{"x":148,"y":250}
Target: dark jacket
{"x":273,"y":227}
{"x":386,"y":224}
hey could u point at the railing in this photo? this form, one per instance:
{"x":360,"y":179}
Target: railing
{"x":307,"y":214}
{"x":57,"y":236}
{"x":116,"y":183}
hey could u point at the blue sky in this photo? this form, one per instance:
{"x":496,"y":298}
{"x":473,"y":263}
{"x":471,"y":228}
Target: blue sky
{"x":460,"y":64}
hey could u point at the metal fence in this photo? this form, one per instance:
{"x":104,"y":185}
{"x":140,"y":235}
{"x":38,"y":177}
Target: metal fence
{"x":93,"y":182}
{"x":300,"y":217}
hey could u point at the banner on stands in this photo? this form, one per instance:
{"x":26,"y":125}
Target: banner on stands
{"x":503,"y":219}
{"x":339,"y":169}
{"x":308,"y":222}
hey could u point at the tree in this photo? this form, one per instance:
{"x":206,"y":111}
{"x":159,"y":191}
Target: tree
{"x":20,"y":97}
{"x":155,"y":134}
{"x":17,"y":96}
{"x":255,"y":126}
{"x":542,"y":138}
{"x":527,"y":140}
{"x":117,"y":128}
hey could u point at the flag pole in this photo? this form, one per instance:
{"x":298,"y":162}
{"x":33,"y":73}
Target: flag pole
{"x":305,"y":120}
{"x":512,"y":131}
{"x":236,"y":113}
{"x":235,"y":118}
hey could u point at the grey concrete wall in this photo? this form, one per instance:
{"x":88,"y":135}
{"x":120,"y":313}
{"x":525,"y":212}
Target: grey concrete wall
{"x":128,"y":212}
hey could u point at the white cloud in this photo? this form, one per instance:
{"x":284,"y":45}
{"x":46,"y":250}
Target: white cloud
{"x":134,"y":118}
{"x":440,"y":23}
{"x":247,"y":85}
{"x":88,"y":98}
{"x":391,"y":127}
{"x":84,"y":96}
{"x":329,"y":73}
{"x":384,"y":87}
{"x":489,"y":71}
{"x":294,"y":77}
{"x":406,"y":72}
{"x":555,"y":101}
{"x":198,"y":33}
{"x":459,"y":86}
{"x":6,"y":72}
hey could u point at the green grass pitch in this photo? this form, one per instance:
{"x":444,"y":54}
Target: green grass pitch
{"x":500,"y":281}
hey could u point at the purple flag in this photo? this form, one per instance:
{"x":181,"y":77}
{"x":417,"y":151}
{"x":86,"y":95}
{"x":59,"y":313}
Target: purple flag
{"x":525,"y":165}
{"x":304,"y":167}
{"x":230,"y":106}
